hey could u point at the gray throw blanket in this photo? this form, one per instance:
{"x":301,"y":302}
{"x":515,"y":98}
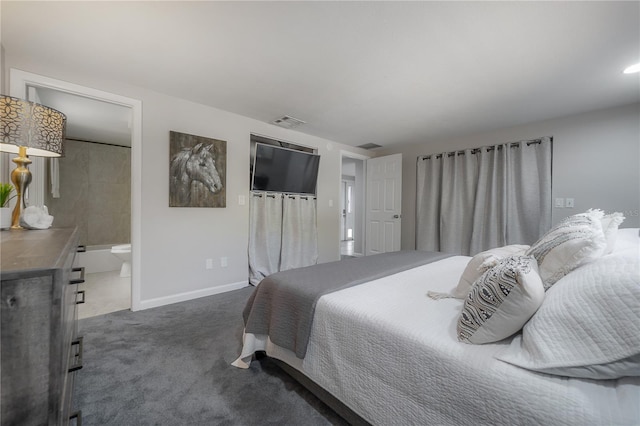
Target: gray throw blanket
{"x":283,"y":304}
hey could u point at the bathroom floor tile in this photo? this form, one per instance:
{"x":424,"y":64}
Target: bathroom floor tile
{"x":105,"y":292}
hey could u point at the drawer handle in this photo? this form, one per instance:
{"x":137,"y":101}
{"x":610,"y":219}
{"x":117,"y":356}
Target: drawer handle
{"x":80,"y":293}
{"x":81,"y":249}
{"x":78,"y":416}
{"x":77,"y":356}
{"x":79,"y":280}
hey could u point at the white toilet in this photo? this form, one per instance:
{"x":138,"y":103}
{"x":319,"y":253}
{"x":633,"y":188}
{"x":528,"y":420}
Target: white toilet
{"x":123,"y":252}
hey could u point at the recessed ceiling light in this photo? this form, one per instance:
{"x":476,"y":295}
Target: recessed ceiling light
{"x":632,"y":69}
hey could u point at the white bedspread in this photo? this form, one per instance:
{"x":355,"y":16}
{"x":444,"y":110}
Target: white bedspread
{"x":391,"y":354}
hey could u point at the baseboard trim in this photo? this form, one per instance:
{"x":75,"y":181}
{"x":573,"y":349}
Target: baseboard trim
{"x":190,"y":295}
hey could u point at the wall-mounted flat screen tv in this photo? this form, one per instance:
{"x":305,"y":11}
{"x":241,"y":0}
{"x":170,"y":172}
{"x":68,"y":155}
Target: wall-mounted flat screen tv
{"x":278,"y":169}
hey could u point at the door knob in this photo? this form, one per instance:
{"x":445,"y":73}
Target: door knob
{"x":396,"y":216}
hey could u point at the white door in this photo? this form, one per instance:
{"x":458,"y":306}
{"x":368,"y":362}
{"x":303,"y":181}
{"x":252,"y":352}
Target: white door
{"x":384,"y":201}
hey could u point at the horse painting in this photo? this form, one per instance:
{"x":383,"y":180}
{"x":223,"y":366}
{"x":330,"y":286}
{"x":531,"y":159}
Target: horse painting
{"x":195,"y":178}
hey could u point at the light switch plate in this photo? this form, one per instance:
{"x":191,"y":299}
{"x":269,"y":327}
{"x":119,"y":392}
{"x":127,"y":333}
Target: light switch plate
{"x":559,"y":203}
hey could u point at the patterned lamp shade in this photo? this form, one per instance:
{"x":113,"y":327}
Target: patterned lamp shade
{"x":38,"y":128}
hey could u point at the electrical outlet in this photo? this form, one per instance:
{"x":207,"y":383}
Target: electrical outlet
{"x":569,"y":203}
{"x":209,"y":264}
{"x":241,"y":200}
{"x":559,"y":203}
{"x":224,"y":262}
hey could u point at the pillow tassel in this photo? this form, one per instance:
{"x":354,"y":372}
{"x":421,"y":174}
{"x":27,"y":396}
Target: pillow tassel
{"x":436,"y":295}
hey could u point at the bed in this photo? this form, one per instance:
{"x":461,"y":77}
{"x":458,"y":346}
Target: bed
{"x":393,"y":355}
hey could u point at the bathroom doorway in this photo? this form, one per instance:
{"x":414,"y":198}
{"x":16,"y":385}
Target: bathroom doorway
{"x":98,"y":180}
{"x":90,"y":188}
{"x":352,"y":179}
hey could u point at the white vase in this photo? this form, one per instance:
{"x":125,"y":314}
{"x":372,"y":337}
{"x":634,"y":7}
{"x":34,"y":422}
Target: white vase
{"x":5,"y":217}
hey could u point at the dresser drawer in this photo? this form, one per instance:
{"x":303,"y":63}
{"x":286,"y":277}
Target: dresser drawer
{"x":25,"y":329}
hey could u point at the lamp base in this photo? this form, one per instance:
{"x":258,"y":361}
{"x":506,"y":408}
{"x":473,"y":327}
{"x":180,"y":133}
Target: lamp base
{"x":21,"y":178}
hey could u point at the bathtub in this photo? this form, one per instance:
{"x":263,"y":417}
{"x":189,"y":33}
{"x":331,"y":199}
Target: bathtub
{"x":99,"y":259}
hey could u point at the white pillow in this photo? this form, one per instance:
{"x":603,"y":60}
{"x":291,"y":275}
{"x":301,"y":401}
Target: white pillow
{"x":589,"y":323}
{"x":628,"y":239}
{"x":576,"y":240}
{"x":610,"y":224}
{"x":480,"y":263}
{"x":501,"y":301}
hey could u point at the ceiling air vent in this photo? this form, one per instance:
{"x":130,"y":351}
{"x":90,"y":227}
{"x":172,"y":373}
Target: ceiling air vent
{"x":369,"y":146}
{"x":288,"y":122}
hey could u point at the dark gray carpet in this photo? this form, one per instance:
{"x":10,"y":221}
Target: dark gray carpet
{"x":171,"y":366}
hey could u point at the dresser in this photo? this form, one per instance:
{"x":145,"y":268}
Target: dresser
{"x":40,"y":351}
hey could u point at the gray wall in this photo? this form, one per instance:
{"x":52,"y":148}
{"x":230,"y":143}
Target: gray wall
{"x":95,"y":193}
{"x":596,"y":161}
{"x":175,"y":242}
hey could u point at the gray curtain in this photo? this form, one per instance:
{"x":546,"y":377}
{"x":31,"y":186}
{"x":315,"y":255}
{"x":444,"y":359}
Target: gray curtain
{"x":472,"y":200}
{"x":299,"y":232}
{"x":265,"y":235}
{"x":282,"y":233}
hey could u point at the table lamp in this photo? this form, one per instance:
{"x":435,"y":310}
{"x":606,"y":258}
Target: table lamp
{"x":28,"y":128}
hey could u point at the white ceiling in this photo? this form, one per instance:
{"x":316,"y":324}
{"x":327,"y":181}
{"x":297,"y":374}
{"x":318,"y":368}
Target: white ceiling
{"x":356,"y":72}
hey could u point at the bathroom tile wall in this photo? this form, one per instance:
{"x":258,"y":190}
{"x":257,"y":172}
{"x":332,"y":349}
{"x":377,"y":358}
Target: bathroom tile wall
{"x":95,"y":193}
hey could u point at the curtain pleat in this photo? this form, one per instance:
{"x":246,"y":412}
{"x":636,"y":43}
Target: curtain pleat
{"x":483,"y":198}
{"x":458,"y":180}
{"x":265,"y":235}
{"x":428,"y":203}
{"x":299,"y":232}
{"x":489,"y":208}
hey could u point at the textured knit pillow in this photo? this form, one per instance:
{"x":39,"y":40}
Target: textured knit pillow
{"x":576,"y":240}
{"x":476,"y":267}
{"x":501,"y":301}
{"x":589,"y":323}
{"x":610,"y":224}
